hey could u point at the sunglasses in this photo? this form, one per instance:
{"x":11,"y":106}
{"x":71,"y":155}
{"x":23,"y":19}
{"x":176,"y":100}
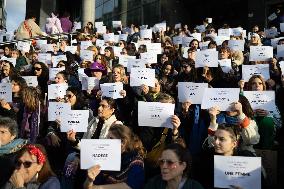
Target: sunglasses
{"x":37,"y":69}
{"x":69,"y":96}
{"x":169,"y":163}
{"x":26,"y":164}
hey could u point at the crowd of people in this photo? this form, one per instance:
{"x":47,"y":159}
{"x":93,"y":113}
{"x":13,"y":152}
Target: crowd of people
{"x":34,"y":153}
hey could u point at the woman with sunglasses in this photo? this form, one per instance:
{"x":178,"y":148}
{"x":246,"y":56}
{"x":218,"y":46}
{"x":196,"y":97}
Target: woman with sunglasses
{"x":40,"y":70}
{"x":175,"y":165}
{"x":9,"y":147}
{"x":32,"y":170}
{"x":267,"y":122}
{"x":131,"y":174}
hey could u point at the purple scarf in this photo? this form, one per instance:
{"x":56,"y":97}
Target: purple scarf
{"x":30,"y":125}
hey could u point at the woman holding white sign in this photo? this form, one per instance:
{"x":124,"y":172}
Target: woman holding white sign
{"x":265,"y":120}
{"x":241,"y":116}
{"x":131,"y":174}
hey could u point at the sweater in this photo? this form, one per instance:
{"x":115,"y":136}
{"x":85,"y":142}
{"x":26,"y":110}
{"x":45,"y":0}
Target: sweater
{"x":158,"y":183}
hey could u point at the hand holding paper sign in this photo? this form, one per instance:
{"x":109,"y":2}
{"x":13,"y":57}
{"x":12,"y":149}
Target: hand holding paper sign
{"x":5,"y":104}
{"x":93,"y":172}
{"x":71,"y":135}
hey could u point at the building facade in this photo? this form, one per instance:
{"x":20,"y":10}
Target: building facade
{"x":3,"y":14}
{"x":246,"y":13}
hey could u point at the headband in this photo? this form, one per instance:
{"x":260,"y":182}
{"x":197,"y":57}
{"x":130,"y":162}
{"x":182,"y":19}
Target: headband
{"x":37,"y":152}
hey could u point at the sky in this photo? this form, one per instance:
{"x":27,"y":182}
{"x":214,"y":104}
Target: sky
{"x":16,"y":10}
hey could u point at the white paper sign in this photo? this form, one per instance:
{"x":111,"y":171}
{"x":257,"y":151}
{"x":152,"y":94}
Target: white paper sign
{"x":90,"y":83}
{"x":87,"y":55}
{"x":282,"y":27}
{"x":271,"y":33}
{"x":56,"y":59}
{"x":155,"y":48}
{"x":149,"y":58}
{"x":12,"y":60}
{"x":116,"y":24}
{"x":221,"y":97}
{"x":53,"y":72}
{"x":280,"y":51}
{"x":135,"y":63}
{"x":103,"y":152}
{"x":186,"y":41}
{"x":112,"y":90}
{"x":31,"y":80}
{"x":139,"y":76}
{"x":6,"y":91}
{"x":178,"y":26}
{"x":177,"y":40}
{"x":260,"y":53}
{"x":236,"y":45}
{"x":116,"y":50}
{"x":100,"y":42}
{"x":204,"y":45}
{"x":206,"y":58}
{"x":44,"y":57}
{"x":46,"y":48}
{"x":274,"y":42}
{"x":236,"y":31}
{"x":191,"y":91}
{"x":123,"y":37}
{"x":57,"y":91}
{"x":226,"y":65}
{"x":40,"y":42}
{"x":161,"y":26}
{"x":244,"y":172}
{"x":85,"y":44}
{"x":109,"y":37}
{"x":261,"y":99}
{"x":155,"y":114}
{"x":196,"y":36}
{"x":123,"y":59}
{"x":24,"y":46}
{"x":98,"y":24}
{"x":146,"y":34}
{"x":220,"y":39}
{"x":76,"y":120}
{"x":258,"y":69}
{"x":201,"y":28}
{"x":71,"y":49}
{"x":273,"y":16}
{"x":224,"y":32}
{"x":55,"y":110}
{"x":101,"y":29}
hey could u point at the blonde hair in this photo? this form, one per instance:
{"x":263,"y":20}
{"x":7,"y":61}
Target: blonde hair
{"x":123,"y":76}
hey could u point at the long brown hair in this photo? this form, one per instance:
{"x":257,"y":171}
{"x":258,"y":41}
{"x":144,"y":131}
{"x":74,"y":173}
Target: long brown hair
{"x":250,"y":82}
{"x":122,"y":73}
{"x":31,"y":98}
{"x":131,"y":140}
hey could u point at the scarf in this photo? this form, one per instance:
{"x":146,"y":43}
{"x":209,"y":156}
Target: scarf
{"x":14,"y":146}
{"x":30,"y":125}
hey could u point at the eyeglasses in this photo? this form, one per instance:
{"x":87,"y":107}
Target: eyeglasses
{"x":27,"y":164}
{"x":37,"y":69}
{"x":98,"y":58}
{"x":185,"y":66}
{"x":104,"y":106}
{"x":169,"y":163}
{"x":69,"y":96}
